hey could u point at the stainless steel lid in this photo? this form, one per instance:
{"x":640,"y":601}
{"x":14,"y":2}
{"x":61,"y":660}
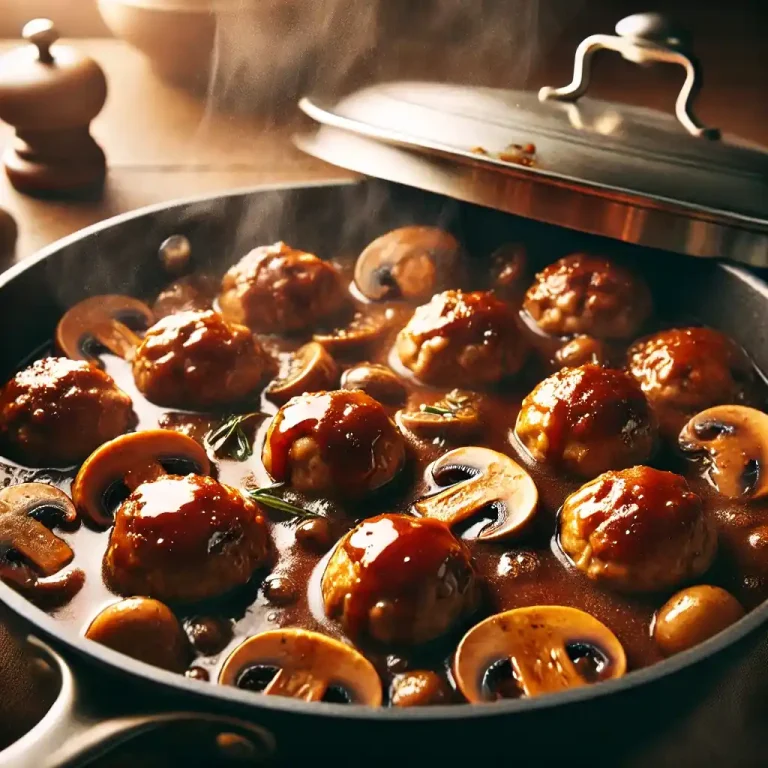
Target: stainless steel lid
{"x":628,"y":173}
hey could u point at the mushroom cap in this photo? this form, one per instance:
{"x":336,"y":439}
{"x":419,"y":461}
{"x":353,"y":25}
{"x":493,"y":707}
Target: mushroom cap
{"x":144,"y":629}
{"x":464,"y":417}
{"x":307,"y":664}
{"x":310,"y":369}
{"x":100,"y":318}
{"x":363,"y":331}
{"x":734,"y":441}
{"x":378,"y":381}
{"x":409,"y":263}
{"x":536,"y":641}
{"x":494,"y":480}
{"x":131,"y":459}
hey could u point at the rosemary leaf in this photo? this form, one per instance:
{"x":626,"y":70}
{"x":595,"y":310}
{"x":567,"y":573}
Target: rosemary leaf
{"x":437,"y":410}
{"x":230,"y":437}
{"x":266,"y":497}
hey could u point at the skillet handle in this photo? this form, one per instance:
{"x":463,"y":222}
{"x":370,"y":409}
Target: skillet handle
{"x":69,"y":736}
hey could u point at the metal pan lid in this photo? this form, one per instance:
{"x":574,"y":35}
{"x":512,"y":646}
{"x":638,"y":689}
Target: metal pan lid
{"x":628,"y":173}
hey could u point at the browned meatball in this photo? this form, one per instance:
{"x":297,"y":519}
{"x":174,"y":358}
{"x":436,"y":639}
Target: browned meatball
{"x":586,"y":420}
{"x":638,"y":530}
{"x":58,"y":411}
{"x":199,"y":360}
{"x":462,"y":339}
{"x":339,"y":443}
{"x":583,"y":294}
{"x":183,"y":539}
{"x":686,"y":370}
{"x":277,"y":289}
{"x":399,"y":579}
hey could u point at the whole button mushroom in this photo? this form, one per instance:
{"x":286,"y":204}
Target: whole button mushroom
{"x":733,"y":439}
{"x":692,"y":616}
{"x":33,"y":557}
{"x":540,"y":642}
{"x":279,"y":289}
{"x":356,"y":337}
{"x":56,"y":411}
{"x":143,"y":629}
{"x":399,"y":579}
{"x":339,"y":443}
{"x":302,"y":665}
{"x":409,"y":263}
{"x":175,"y":538}
{"x":487,"y":480}
{"x":419,"y":688}
{"x":585,"y":294}
{"x":587,"y":420}
{"x":638,"y":530}
{"x":309,"y":369}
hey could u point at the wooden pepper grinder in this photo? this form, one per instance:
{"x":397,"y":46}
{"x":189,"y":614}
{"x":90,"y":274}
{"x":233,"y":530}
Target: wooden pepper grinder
{"x":50,"y":93}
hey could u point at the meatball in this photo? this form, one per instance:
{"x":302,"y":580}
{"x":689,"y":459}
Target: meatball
{"x":58,"y":411}
{"x":339,"y":443}
{"x":583,"y":294}
{"x":276,"y":289}
{"x":586,"y":420}
{"x":686,"y":370}
{"x":399,"y":579}
{"x":462,"y":339}
{"x":184,"y":539}
{"x":199,"y":360}
{"x":638,"y":530}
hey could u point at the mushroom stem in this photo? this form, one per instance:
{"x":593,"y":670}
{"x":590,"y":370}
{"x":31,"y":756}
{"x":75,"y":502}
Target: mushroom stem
{"x":116,"y":337}
{"x":297,"y":684}
{"x":146,"y":471}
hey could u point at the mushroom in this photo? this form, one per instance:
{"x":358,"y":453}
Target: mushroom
{"x":32,"y":555}
{"x":302,"y":665}
{"x":364,"y":329}
{"x":494,"y":480}
{"x":100,"y":318}
{"x":131,"y":459}
{"x":581,"y":350}
{"x":509,"y":268}
{"x":540,"y":643}
{"x":310,"y":369}
{"x":419,"y":688}
{"x":407,"y":263}
{"x":735,"y":441}
{"x":175,"y":253}
{"x":455,"y":417}
{"x":143,"y":629}
{"x":378,"y":381}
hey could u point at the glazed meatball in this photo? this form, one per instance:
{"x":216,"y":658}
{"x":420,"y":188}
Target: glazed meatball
{"x":199,"y":360}
{"x":399,"y":579}
{"x":462,"y":339}
{"x":276,"y":289}
{"x":638,"y":530}
{"x":686,"y":370}
{"x":583,"y":294}
{"x":57,"y":411}
{"x":339,"y":443}
{"x":586,"y":420}
{"x":184,"y":539}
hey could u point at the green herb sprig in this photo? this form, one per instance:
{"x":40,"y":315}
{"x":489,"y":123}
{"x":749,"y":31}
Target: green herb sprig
{"x":436,"y":410}
{"x":230,"y":437}
{"x":269,"y":498}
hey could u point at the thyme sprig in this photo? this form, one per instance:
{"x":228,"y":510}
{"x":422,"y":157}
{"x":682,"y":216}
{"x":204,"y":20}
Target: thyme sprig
{"x":436,"y":410}
{"x":230,"y":437}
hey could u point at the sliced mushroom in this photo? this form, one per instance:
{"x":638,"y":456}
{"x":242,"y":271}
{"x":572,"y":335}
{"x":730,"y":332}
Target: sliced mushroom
{"x":311,"y":369}
{"x":378,"y":381}
{"x":131,"y":459}
{"x":581,"y":350}
{"x":99,"y":318}
{"x":143,"y":629}
{"x":734,"y":438}
{"x":32,"y":555}
{"x":364,"y":329}
{"x":540,"y":642}
{"x":456,"y":417}
{"x":303,"y":665}
{"x":408,"y":263}
{"x":481,"y":479}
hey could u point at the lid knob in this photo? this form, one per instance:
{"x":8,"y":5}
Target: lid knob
{"x":643,"y":38}
{"x":43,"y":34}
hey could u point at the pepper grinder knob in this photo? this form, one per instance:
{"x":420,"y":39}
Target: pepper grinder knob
{"x":50,"y":92}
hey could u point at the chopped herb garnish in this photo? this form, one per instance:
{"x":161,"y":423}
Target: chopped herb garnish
{"x":230,"y":438}
{"x":436,"y":409}
{"x":269,"y":498}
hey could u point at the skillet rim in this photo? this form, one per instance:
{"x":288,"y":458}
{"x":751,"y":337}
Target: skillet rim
{"x":171,"y":682}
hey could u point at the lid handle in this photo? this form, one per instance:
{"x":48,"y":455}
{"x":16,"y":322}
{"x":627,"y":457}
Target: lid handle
{"x":43,"y":34}
{"x":642,"y":38}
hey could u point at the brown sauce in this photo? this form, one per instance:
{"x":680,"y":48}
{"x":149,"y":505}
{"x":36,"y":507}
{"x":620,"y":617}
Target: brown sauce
{"x":523,"y":573}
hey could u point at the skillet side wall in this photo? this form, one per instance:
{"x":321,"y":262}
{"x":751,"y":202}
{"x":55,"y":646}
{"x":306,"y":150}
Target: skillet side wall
{"x":341,"y":219}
